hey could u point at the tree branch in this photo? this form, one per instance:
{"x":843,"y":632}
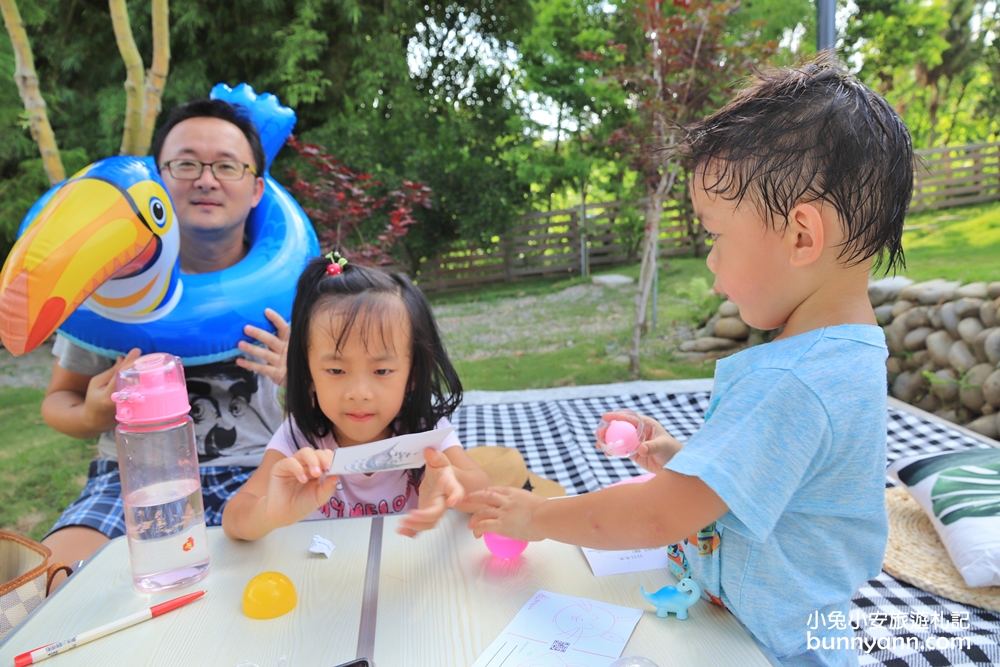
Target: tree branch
{"x":31,"y":95}
{"x":133,"y":79}
{"x":156,"y":76}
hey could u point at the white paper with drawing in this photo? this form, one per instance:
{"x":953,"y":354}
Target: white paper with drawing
{"x":553,"y":630}
{"x":397,"y":453}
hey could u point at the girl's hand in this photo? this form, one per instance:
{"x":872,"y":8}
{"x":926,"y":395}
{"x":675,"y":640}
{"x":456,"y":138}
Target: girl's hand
{"x":508,"y":512}
{"x":272,"y":353}
{"x":294,"y":490}
{"x":659,"y":447}
{"x":439,"y":490}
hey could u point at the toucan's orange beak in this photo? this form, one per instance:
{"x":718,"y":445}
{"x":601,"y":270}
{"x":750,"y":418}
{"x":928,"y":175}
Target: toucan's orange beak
{"x":88,"y":232}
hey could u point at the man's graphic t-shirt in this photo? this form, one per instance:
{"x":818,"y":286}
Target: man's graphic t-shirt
{"x":388,"y":492}
{"x":235,"y":411}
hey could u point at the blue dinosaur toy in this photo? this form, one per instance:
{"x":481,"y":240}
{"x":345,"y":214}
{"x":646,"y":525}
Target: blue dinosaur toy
{"x":675,"y":599}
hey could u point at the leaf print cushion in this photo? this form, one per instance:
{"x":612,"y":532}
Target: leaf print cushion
{"x":960,"y":492}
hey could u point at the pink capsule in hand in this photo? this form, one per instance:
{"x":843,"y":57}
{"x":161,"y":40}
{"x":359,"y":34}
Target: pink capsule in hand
{"x":621,"y":437}
{"x":504,"y":547}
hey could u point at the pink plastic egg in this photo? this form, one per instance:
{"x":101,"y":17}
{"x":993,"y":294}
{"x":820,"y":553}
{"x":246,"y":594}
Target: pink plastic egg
{"x":504,"y":547}
{"x":621,"y":439}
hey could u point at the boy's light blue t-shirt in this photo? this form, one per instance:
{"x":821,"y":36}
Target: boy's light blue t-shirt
{"x":794,"y":443}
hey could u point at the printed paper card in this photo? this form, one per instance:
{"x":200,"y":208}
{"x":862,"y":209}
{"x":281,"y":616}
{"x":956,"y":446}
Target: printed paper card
{"x":553,"y":630}
{"x":397,"y":453}
{"x":603,"y":563}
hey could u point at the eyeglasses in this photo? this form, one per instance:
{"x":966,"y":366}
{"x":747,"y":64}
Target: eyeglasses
{"x":223,"y":170}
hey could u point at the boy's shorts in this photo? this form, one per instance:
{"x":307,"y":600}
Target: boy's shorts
{"x":100,"y":503}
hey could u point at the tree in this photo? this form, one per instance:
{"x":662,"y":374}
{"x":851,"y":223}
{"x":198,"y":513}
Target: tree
{"x":690,"y":61}
{"x":339,"y":201}
{"x":27,"y":85}
{"x":927,"y":59}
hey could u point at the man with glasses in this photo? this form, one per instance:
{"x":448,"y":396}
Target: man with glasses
{"x":211,"y":161}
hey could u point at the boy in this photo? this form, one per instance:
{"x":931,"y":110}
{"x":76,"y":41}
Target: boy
{"x":801,"y":181}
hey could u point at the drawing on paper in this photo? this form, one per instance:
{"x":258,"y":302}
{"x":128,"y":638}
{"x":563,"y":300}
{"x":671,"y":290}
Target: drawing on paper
{"x":586,"y":619}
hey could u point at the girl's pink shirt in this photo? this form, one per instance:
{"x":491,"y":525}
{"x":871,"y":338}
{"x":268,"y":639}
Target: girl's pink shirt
{"x":389,"y":492}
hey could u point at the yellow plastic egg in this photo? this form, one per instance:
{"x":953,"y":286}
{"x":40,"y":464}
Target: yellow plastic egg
{"x":269,"y":595}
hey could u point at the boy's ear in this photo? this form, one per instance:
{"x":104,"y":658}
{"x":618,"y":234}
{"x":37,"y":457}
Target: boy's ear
{"x":805,"y":234}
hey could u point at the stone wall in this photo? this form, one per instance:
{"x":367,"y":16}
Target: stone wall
{"x":943,"y":339}
{"x":944,"y":347}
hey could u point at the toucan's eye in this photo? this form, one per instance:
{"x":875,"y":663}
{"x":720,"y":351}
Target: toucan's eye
{"x":157,"y":211}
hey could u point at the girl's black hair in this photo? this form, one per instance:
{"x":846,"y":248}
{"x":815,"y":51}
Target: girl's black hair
{"x":813,"y":133}
{"x":366,"y":297}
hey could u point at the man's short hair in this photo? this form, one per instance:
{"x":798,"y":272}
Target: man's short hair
{"x":208,"y":108}
{"x":813,"y":133}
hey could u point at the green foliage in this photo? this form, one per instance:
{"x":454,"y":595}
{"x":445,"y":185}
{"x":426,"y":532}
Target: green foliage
{"x":931,"y":61}
{"x":23,"y":188}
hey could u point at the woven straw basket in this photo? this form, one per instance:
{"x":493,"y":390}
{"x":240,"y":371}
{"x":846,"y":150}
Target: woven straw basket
{"x":27,"y":576}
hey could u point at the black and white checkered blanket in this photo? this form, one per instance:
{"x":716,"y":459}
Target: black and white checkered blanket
{"x":898,"y":625}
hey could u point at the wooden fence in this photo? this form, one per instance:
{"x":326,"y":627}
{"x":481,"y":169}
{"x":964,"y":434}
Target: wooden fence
{"x":956,"y":176}
{"x":555,"y":243}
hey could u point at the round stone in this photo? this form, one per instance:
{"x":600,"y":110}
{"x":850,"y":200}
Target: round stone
{"x":928,"y":402}
{"x":901,"y":307}
{"x":945,"y":385}
{"x":729,"y":309}
{"x":979,"y":344}
{"x":949,"y":318}
{"x":917,"y":317}
{"x":968,"y":328}
{"x":939,"y":344}
{"x":916,"y":339}
{"x":948,"y":415}
{"x":909,"y":385}
{"x":971,"y":393}
{"x":985,"y":425}
{"x":930,"y":292}
{"x":977,"y":290}
{"x":968,"y":307}
{"x":731,"y":327}
{"x":959,"y":356}
{"x":988,"y":314}
{"x":883,"y":313}
{"x":991,"y":347}
{"x":993,"y":290}
{"x":707,"y":344}
{"x":991,"y":389}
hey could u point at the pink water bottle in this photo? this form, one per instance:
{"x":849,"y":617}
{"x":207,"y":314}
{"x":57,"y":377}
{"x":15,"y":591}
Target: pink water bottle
{"x":158,"y":463}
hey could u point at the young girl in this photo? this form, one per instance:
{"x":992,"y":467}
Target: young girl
{"x":365,"y":362}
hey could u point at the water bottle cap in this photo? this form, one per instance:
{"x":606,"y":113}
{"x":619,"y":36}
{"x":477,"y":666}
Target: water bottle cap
{"x":151,"y":390}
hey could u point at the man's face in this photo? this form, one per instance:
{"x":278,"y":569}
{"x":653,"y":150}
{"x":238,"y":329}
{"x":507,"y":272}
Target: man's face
{"x":206,"y":204}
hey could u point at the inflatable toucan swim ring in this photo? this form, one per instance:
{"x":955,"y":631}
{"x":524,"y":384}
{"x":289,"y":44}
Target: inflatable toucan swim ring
{"x":98,"y":257}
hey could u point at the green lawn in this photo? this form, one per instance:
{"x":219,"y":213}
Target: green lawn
{"x":957,"y":244}
{"x":42,"y":471}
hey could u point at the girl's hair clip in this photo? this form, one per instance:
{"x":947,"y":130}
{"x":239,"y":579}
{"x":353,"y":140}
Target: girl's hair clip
{"x":337,"y":263}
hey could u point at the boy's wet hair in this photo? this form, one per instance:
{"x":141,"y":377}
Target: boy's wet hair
{"x":813,"y":133}
{"x":368,"y":298}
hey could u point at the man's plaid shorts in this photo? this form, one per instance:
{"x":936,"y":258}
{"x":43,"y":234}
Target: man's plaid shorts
{"x":100,"y":503}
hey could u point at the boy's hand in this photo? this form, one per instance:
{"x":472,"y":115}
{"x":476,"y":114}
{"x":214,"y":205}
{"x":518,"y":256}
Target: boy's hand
{"x":273,"y":352}
{"x":507,"y":512}
{"x":439,"y":490}
{"x":294,"y":490}
{"x":659,"y":447}
{"x":98,"y":408}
